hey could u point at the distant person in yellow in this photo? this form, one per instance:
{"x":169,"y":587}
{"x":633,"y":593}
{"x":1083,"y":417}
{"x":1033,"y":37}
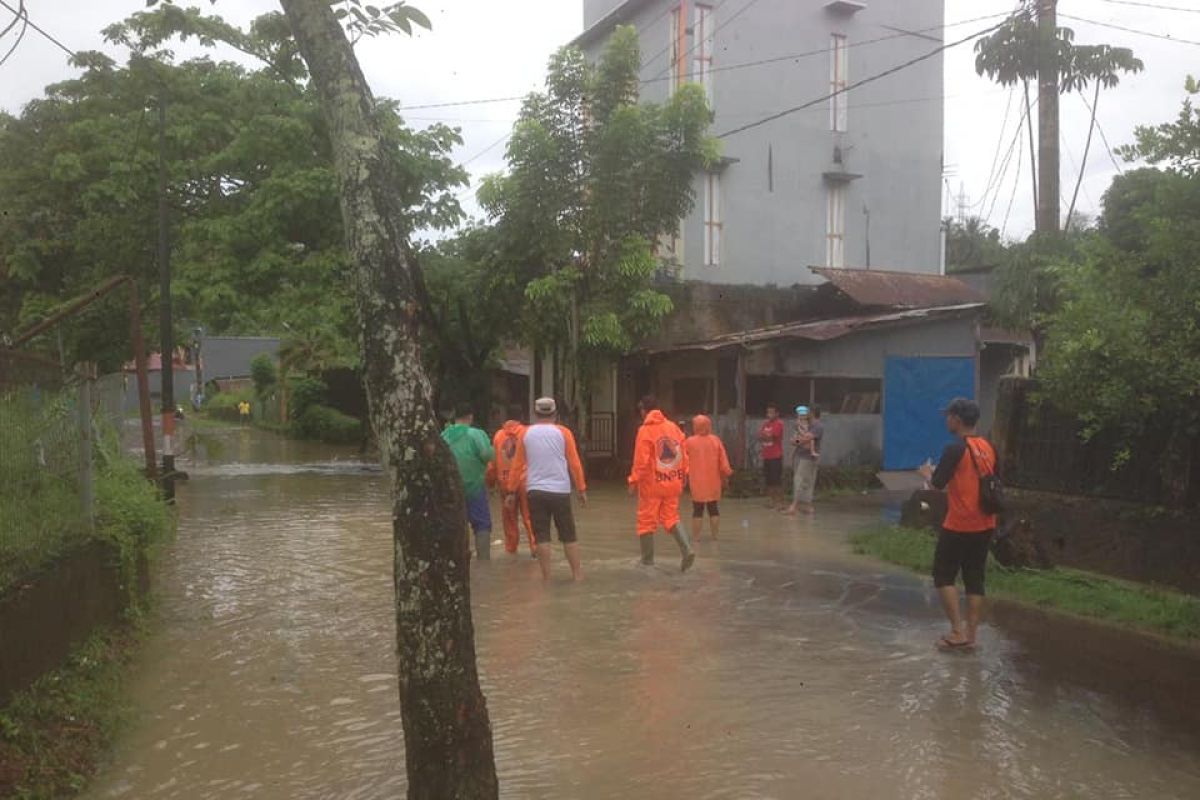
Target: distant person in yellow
{"x":244,"y":411}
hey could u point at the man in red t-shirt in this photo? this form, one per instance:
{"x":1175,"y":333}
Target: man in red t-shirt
{"x":967,"y":530}
{"x":770,"y":436}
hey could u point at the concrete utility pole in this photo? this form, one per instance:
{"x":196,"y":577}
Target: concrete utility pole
{"x":167,"y":373}
{"x":1048,"y":191}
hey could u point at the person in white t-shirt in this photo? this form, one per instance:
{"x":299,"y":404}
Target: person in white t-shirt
{"x":545,"y":466}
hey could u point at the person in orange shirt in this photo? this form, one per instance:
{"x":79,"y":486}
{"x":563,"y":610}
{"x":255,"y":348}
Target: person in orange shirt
{"x":967,"y":530}
{"x":708,"y":472}
{"x":660,"y":465}
{"x":505,"y":444}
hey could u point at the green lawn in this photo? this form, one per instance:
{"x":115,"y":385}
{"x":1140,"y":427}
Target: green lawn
{"x":1072,"y":591}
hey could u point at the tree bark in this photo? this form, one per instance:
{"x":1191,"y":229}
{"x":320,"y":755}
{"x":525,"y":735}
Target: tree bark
{"x":447,"y":733}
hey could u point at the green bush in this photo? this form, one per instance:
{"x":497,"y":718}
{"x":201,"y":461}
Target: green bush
{"x":327,"y":424}
{"x":131,"y":515}
{"x":224,"y":405}
{"x":264,"y":374}
{"x":305,"y":391}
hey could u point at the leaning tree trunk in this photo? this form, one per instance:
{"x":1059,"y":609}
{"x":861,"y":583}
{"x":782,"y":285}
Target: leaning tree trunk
{"x":448,"y":738}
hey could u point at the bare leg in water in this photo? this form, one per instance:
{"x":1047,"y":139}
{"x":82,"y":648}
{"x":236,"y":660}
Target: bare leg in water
{"x":714,"y":527}
{"x":957,"y":637}
{"x":543,"y":555}
{"x":572,"y":551}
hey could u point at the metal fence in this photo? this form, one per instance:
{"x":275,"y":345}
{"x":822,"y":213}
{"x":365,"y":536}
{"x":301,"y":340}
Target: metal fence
{"x":46,"y":464}
{"x":1042,"y":448}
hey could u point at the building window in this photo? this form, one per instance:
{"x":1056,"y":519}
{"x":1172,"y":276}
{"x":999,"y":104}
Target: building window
{"x":839,"y":67}
{"x":703,"y":50}
{"x":677,"y":48}
{"x":669,"y":248}
{"x":712,"y":220}
{"x":835,"y":225}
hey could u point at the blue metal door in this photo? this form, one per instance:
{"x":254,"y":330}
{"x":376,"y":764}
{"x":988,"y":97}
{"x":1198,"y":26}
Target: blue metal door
{"x":915,"y":390}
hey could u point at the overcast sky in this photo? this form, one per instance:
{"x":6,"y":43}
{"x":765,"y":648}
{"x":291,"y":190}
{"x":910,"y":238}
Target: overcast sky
{"x":486,"y":49}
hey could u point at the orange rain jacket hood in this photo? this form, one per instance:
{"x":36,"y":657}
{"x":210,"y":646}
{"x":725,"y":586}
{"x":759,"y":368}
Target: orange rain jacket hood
{"x":660,"y":462}
{"x":708,"y":463}
{"x":505,"y":444}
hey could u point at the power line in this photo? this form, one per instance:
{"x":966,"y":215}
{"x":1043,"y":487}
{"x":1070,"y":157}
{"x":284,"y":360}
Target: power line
{"x":823,"y":50}
{"x":1100,"y":129}
{"x":700,"y":40}
{"x":20,"y":36}
{"x":42,"y":31}
{"x":1153,"y":5}
{"x":18,"y":15}
{"x":1164,"y":36}
{"x":878,"y":76}
{"x":487,"y":149}
{"x":999,"y":145}
{"x":724,"y":68}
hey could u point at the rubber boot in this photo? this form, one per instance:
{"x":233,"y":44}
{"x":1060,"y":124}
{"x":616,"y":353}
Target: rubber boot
{"x":483,"y":545}
{"x":647,"y":543}
{"x":685,"y":548}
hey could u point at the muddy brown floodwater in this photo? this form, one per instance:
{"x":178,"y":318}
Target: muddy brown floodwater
{"x":780,"y":667}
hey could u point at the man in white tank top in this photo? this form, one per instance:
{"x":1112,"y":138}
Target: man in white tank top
{"x":546,"y":465}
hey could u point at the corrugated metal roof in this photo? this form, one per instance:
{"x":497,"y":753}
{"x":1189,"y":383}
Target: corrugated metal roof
{"x":823,"y":330}
{"x":882,"y":289}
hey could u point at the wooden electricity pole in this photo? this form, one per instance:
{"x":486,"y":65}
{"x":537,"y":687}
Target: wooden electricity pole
{"x":1048,"y":176}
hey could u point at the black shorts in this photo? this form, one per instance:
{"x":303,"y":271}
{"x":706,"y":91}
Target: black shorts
{"x":545,"y":506}
{"x":714,"y":509}
{"x":773,"y":472}
{"x":965,"y":552}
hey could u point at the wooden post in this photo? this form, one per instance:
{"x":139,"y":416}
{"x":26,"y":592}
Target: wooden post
{"x":740,"y":450}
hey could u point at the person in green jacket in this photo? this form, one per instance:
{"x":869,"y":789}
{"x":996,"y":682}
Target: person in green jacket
{"x":473,"y":451}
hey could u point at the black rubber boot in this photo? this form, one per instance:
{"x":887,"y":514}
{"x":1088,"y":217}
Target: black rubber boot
{"x":647,"y":544}
{"x":685,"y":548}
{"x":483,"y":545}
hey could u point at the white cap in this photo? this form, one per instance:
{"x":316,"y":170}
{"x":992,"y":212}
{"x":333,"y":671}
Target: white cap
{"x":545,"y":406}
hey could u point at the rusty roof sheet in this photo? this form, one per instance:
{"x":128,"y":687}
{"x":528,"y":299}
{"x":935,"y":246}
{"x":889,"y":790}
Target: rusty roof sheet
{"x":823,"y":330}
{"x":882,"y":289}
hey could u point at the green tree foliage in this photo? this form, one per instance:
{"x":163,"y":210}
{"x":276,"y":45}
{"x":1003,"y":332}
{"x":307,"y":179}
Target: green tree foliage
{"x":1176,"y":144}
{"x":594,"y":179}
{"x":256,"y":229}
{"x":973,"y":245}
{"x":1124,"y":347}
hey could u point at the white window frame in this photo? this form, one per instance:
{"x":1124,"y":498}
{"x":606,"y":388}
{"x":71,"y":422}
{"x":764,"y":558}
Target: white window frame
{"x":714,"y":227}
{"x":704,"y":31}
{"x":835,"y":225}
{"x":839,"y":69}
{"x":673,"y":45}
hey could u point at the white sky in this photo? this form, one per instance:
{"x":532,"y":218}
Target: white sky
{"x":484,"y":49}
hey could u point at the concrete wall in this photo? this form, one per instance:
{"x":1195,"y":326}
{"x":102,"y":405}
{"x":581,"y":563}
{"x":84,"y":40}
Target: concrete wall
{"x":863,"y":355}
{"x":850,"y":439}
{"x":773,"y":194}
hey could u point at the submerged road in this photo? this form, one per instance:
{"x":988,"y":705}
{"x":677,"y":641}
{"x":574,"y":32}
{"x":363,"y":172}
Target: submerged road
{"x":780,"y":667}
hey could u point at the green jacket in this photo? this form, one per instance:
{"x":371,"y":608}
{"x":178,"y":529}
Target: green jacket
{"x":473,"y":451}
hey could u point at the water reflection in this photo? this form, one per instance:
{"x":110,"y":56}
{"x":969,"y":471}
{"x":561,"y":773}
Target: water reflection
{"x":778,"y":668}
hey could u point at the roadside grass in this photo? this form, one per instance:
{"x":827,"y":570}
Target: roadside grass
{"x":1071,"y":591}
{"x":54,"y":734}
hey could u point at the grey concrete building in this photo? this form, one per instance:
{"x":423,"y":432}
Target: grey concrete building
{"x":850,"y":181}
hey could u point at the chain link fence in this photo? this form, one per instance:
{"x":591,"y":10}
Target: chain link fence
{"x":46,"y":464}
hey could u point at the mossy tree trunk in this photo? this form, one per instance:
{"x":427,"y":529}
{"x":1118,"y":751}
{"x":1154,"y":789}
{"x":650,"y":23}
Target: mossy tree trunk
{"x":448,"y":739}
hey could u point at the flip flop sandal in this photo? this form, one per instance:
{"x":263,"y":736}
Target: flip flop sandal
{"x":946,"y":643}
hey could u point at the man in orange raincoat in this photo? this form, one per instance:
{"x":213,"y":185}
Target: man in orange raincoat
{"x":708,"y":471}
{"x":505,"y":443}
{"x":660,"y":465}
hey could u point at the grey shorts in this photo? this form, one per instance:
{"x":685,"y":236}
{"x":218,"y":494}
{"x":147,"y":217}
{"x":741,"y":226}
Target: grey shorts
{"x":804,"y":480}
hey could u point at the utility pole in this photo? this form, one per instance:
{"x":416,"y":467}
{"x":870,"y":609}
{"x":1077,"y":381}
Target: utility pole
{"x":167,"y":373}
{"x":1048,"y":177}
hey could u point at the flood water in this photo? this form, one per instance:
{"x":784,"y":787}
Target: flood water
{"x":780,"y":667}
